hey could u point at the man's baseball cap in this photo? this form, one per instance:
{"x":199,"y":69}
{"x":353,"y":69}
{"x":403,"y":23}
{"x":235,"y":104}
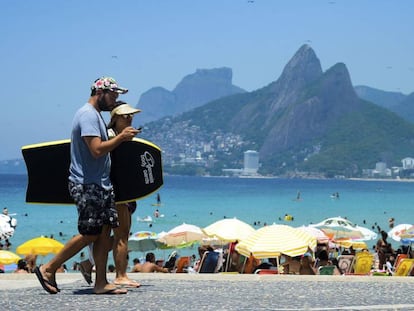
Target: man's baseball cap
{"x":108,"y":83}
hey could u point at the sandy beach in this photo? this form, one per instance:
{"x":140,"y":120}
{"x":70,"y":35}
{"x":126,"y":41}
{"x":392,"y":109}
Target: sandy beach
{"x":215,"y":292}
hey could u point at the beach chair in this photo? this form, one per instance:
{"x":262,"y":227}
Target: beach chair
{"x":404,"y":267}
{"x":345,"y":263}
{"x":211,"y":262}
{"x":182,"y":264}
{"x":326,"y":270}
{"x":398,"y":260}
{"x":363,"y":263}
{"x":170,"y":264}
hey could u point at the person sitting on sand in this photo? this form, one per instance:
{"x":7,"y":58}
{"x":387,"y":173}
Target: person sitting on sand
{"x":291,"y":265}
{"x":150,"y":266}
{"x":251,"y":264}
{"x":201,"y":250}
{"x":137,"y":265}
{"x":306,"y":265}
{"x":322,"y":258}
{"x":21,"y":267}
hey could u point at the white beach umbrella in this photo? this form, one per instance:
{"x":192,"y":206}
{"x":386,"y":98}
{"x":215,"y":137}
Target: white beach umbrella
{"x":229,"y":230}
{"x":7,"y":226}
{"x":182,"y":234}
{"x":396,"y":232}
{"x":320,"y":236}
{"x":340,"y":228}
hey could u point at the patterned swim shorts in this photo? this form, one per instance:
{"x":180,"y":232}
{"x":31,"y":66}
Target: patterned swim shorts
{"x":96,"y":207}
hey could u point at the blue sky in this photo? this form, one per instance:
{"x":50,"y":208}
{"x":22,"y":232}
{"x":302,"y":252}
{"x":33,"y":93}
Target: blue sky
{"x":52,"y":50}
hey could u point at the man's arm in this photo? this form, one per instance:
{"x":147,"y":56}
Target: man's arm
{"x":160,"y":269}
{"x":99,"y":147}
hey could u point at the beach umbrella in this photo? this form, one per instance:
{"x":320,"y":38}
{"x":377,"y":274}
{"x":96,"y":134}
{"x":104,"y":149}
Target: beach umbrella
{"x":7,"y":257}
{"x":182,"y":234}
{"x":39,"y":246}
{"x":340,"y":228}
{"x":275,"y":240}
{"x":143,"y":241}
{"x":229,"y":230}
{"x":357,"y":245}
{"x":396,"y":232}
{"x":407,"y":237}
{"x":7,"y":226}
{"x":320,"y":236}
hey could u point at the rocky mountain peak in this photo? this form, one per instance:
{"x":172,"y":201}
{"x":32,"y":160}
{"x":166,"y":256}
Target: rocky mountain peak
{"x":303,"y":68}
{"x":192,"y":91}
{"x":303,"y":64}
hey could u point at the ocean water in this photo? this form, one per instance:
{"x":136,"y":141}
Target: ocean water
{"x":204,"y":200}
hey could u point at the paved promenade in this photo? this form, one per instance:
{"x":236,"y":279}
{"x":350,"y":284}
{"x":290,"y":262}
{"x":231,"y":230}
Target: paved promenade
{"x":214,"y":292}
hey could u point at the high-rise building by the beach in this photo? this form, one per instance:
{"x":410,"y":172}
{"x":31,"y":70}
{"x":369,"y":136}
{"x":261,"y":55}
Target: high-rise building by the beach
{"x":251,"y":162}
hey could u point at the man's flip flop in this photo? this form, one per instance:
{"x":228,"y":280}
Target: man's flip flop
{"x":45,"y":282}
{"x":86,"y":275}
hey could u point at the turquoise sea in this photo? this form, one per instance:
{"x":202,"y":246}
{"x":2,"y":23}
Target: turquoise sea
{"x":204,"y":200}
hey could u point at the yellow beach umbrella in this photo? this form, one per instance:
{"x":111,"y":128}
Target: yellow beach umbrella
{"x":275,"y":240}
{"x":229,"y":230}
{"x":39,"y":246}
{"x":7,"y":257}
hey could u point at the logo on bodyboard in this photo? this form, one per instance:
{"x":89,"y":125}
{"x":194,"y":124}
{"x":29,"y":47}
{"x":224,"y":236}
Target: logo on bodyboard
{"x":147,"y":162}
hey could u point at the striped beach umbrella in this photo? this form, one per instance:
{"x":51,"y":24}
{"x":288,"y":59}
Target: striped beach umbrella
{"x":275,"y":240}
